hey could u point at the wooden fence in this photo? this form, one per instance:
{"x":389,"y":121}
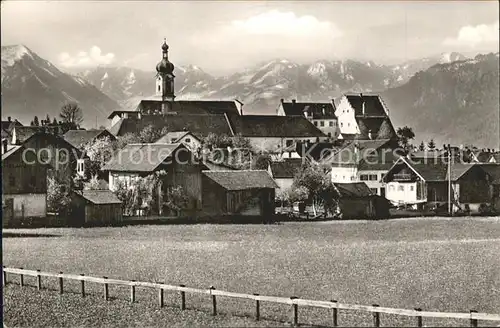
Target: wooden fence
{"x":295,"y":302}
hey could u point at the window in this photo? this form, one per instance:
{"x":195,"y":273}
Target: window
{"x":341,"y":124}
{"x":331,"y":123}
{"x":159,"y":88}
{"x":363,"y":177}
{"x":289,"y":143}
{"x":329,"y":134}
{"x":411,"y":188}
{"x":372,"y":177}
{"x":188,"y":140}
{"x":12,"y":181}
{"x":373,"y":190}
{"x":391,"y":188}
{"x":348,"y":124}
{"x":322,"y":123}
{"x":316,"y":123}
{"x":353,"y":178}
{"x":401,"y":188}
{"x":172,"y":140}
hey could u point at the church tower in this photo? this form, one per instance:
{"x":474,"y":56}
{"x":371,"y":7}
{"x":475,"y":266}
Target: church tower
{"x":165,"y":80}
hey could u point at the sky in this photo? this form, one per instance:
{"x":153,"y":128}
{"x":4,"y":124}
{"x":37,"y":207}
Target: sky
{"x":226,"y":36}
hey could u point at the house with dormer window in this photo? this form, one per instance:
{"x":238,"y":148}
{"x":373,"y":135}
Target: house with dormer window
{"x":321,"y":114}
{"x":364,"y":117}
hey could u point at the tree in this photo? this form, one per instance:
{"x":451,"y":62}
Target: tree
{"x":405,"y":134}
{"x":318,"y":184}
{"x":176,"y":199}
{"x":298,"y":194}
{"x":92,"y":184}
{"x":149,"y":134}
{"x":235,"y":151}
{"x":283,"y":196}
{"x":262,"y":162}
{"x":125,"y":139}
{"x":431,"y":145}
{"x":32,"y":123}
{"x":58,"y":199}
{"x":71,"y":114}
{"x":422,"y":146}
{"x":47,"y":119}
{"x":35,"y":121}
{"x":54,"y":122}
{"x":99,"y":152}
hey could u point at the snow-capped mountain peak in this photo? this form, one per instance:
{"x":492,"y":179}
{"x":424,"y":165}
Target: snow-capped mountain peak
{"x":13,"y":53}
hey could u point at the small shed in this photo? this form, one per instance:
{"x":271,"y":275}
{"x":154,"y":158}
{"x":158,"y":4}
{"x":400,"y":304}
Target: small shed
{"x":356,"y":201}
{"x":238,"y":192}
{"x":96,"y":207}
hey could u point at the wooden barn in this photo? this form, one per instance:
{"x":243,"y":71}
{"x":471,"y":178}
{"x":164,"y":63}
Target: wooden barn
{"x":357,"y":201}
{"x":95,"y":207}
{"x":24,"y":186}
{"x":176,"y":160}
{"x":245,"y":192}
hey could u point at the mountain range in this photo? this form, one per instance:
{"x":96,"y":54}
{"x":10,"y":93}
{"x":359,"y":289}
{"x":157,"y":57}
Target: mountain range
{"x":32,"y":86}
{"x":262,"y":86}
{"x":447,"y":97}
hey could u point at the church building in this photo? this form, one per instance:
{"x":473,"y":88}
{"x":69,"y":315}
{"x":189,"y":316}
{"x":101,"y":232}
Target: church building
{"x":201,"y":117}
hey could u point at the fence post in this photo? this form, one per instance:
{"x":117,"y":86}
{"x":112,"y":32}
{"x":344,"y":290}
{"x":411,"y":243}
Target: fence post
{"x":473,"y":322}
{"x":132,"y":292}
{"x":335,"y":314}
{"x":38,"y":280}
{"x":106,"y":290}
{"x":82,"y":285}
{"x":419,"y":318}
{"x":295,"y":312}
{"x":60,"y":283}
{"x":214,"y":302}
{"x":183,"y":298}
{"x":21,"y":279}
{"x":376,"y":317}
{"x":257,"y":308}
{"x":160,"y":297}
{"x":4,"y":275}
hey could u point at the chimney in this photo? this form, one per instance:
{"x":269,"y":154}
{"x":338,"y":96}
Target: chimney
{"x":282,"y":100}
{"x":9,"y":119}
{"x":294,"y":101}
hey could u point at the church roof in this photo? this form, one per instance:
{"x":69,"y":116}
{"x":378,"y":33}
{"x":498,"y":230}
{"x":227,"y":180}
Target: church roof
{"x":198,"y":124}
{"x":273,"y":126}
{"x":150,"y":106}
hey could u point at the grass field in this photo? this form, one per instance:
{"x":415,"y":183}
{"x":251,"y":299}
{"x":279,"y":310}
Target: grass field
{"x":441,"y":264}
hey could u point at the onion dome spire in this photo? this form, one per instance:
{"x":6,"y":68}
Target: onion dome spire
{"x":165,"y":66}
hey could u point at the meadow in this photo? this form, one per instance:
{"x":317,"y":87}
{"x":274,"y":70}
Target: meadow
{"x":437,"y":264}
